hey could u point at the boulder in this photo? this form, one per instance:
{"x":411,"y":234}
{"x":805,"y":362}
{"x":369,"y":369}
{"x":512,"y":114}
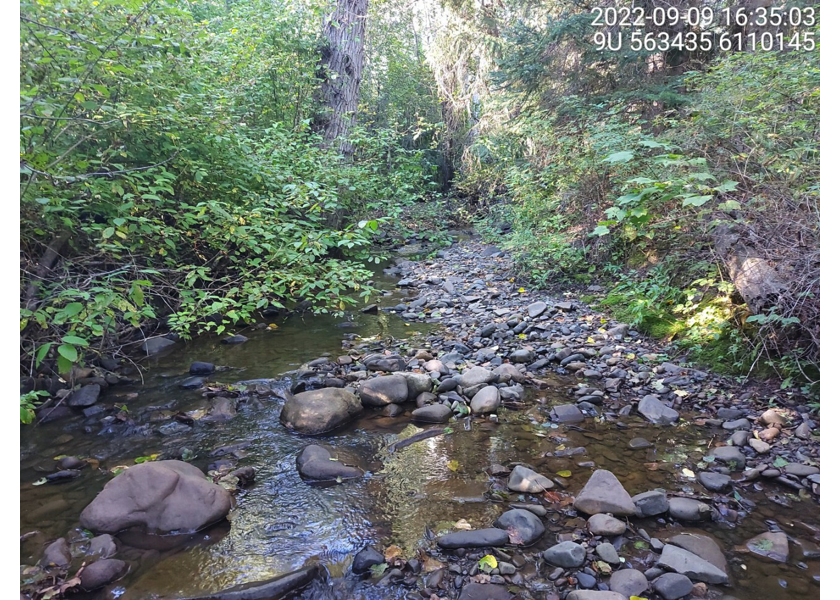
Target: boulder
{"x":536,"y":309}
{"x":433,"y":413}
{"x":703,"y":546}
{"x":603,"y":493}
{"x":102,"y":572}
{"x":57,"y":554}
{"x":85,"y":396}
{"x":772,"y":545}
{"x":102,"y":546}
{"x":156,"y":345}
{"x":319,"y":411}
{"x":730,"y":454}
{"x":486,"y":401}
{"x":417,"y":383}
{"x":479,"y":538}
{"x":649,"y":504}
{"x":365,"y":559}
{"x":565,"y":554}
{"x":157,"y":497}
{"x":594,"y":595}
{"x":688,"y":509}
{"x":523,"y":479}
{"x":523,"y":526}
{"x":685,"y":563}
{"x":601,"y":524}
{"x":380,"y":391}
{"x":672,"y":586}
{"x":654,"y":411}
{"x":484,"y":591}
{"x":477,"y":376}
{"x":629,"y":582}
{"x":507,"y":372}
{"x":716,"y":482}
{"x":566,"y":413}
{"x":390,"y":363}
{"x":276,"y":587}
{"x":202,"y":368}
{"x":521,"y":356}
{"x":319,"y":463}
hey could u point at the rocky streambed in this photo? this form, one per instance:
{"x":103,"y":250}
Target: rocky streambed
{"x":461,"y":438}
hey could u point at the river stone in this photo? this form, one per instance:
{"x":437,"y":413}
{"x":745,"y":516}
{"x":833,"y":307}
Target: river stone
{"x":690,"y":565}
{"x":479,"y":538}
{"x":319,"y":411}
{"x":649,"y":504}
{"x":319,"y":463}
{"x":380,"y":362}
{"x":57,"y":554}
{"x":603,"y":493}
{"x":380,"y":391}
{"x":156,"y":345}
{"x":84,"y":396}
{"x":102,"y":546}
{"x":629,"y":582}
{"x":759,"y":446}
{"x":566,"y":413}
{"x":484,"y":591}
{"x":688,"y":509}
{"x":507,"y":372}
{"x":417,"y":383}
{"x":737,"y":424}
{"x":716,"y":482}
{"x":656,"y":412}
{"x":433,"y":413}
{"x":393,"y":410}
{"x":102,"y":572}
{"x":523,"y":479}
{"x":477,"y":376}
{"x":770,"y":416}
{"x":672,"y":586}
{"x":365,"y":559}
{"x":565,"y":554}
{"x":486,"y":401}
{"x":222,"y":409}
{"x":772,"y":545}
{"x":523,"y":526}
{"x":277,"y":587}
{"x":436,"y":366}
{"x":608,"y":553}
{"x":729,"y":454}
{"x":602,"y":524}
{"x":70,"y":462}
{"x":639,"y":443}
{"x":703,"y":546}
{"x":159,"y":497}
{"x":521,"y":356}
{"x":594,"y":595}
{"x":740,"y":438}
{"x":536,"y":309}
{"x":202,"y":368}
{"x":800,"y":470}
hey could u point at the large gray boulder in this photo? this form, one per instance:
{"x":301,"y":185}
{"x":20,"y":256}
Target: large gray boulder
{"x":603,"y":493}
{"x":157,"y":497}
{"x":319,"y":411}
{"x":319,"y":463}
{"x":486,"y":401}
{"x":477,"y":376}
{"x":381,"y":391}
{"x":417,"y":383}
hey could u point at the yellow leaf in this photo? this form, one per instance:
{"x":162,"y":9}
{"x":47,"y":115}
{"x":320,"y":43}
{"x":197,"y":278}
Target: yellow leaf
{"x":392,"y":552}
{"x":564,"y":473}
{"x":521,"y":290}
{"x":637,"y":598}
{"x":589,"y":340}
{"x":453,"y":465}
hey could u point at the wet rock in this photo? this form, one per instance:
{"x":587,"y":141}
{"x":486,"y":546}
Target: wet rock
{"x":523,"y":479}
{"x":566,"y":413}
{"x":672,"y":586}
{"x":649,"y":504}
{"x":479,"y":538}
{"x":202,"y":368}
{"x":639,"y":443}
{"x":102,"y":572}
{"x":477,"y":376}
{"x":603,"y":493}
{"x":57,"y":554}
{"x":319,"y":463}
{"x":84,"y":396}
{"x":594,"y":595}
{"x":521,"y":356}
{"x":716,"y":482}
{"x":601,"y":524}
{"x":654,"y":411}
{"x":277,"y":587}
{"x":688,"y":509}
{"x":585,"y":580}
{"x":536,"y":309}
{"x":484,"y":591}
{"x":730,"y":454}
{"x":62,"y":476}
{"x":156,"y":345}
{"x":772,"y":545}
{"x":158,"y":497}
{"x":365,"y":559}
{"x":740,"y":438}
{"x":418,"y":383}
{"x":380,"y":391}
{"x":393,"y":410}
{"x":423,"y":399}
{"x":102,"y":546}
{"x":192,"y":383}
{"x":565,"y":554}
{"x":486,"y":401}
{"x":70,"y":462}
{"x":688,"y":564}
{"x":607,"y":553}
{"x":703,"y":546}
{"x":234,"y":340}
{"x":800,"y":470}
{"x":371,"y":309}
{"x":507,"y":372}
{"x":221,"y":409}
{"x":380,"y":362}
{"x":433,"y":413}
{"x":629,"y":582}
{"x":523,"y":526}
{"x":319,"y":411}
{"x":729,"y":414}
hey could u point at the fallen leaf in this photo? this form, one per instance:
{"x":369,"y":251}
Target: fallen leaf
{"x":564,"y":473}
{"x":453,"y":465}
{"x":392,"y":552}
{"x":462,"y":524}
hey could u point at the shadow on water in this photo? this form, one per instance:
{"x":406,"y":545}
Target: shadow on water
{"x":281,"y":523}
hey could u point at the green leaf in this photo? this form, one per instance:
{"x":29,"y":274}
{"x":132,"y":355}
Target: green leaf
{"x":42,"y":353}
{"x":68,"y":352}
{"x":75,"y":340}
{"x":379,"y":570}
{"x":488,"y":563}
{"x":619,"y":157}
{"x":107,"y":232}
{"x":564,"y":473}
{"x":696,"y":200}
{"x":600,"y":230}
{"x":780,"y":462}
{"x":727,"y":186}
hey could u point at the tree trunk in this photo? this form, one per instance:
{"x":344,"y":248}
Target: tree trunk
{"x":342,"y":61}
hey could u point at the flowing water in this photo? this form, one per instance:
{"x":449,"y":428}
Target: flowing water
{"x":282,"y":523}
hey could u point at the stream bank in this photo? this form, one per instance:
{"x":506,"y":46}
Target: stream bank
{"x":575,"y":394}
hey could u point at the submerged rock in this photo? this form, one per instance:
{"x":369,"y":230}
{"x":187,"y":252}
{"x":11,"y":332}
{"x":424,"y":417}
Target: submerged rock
{"x":319,"y":411}
{"x":523,"y":479}
{"x":319,"y":463}
{"x":102,"y":572}
{"x":656,"y":412}
{"x":84,"y":396}
{"x":365,"y":559}
{"x":484,"y":591}
{"x":478,"y":538}
{"x":270,"y":589}
{"x":688,"y":564}
{"x":158,"y":497}
{"x":772,"y":545}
